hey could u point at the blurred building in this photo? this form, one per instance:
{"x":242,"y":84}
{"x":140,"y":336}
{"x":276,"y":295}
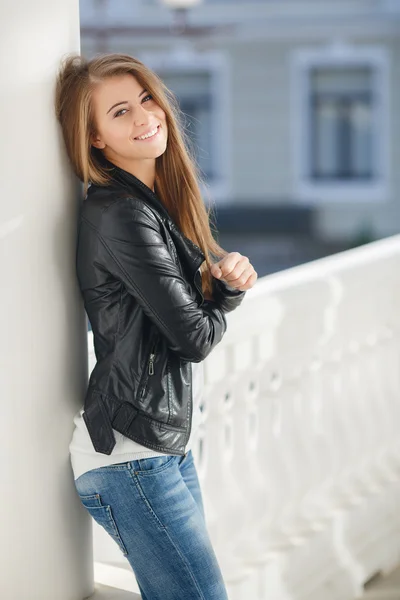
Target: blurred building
{"x":292,"y":106}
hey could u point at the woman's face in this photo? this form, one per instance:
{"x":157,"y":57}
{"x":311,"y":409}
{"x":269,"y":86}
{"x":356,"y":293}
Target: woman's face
{"x":124,"y":112}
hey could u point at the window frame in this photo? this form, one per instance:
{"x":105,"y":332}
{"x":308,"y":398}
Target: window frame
{"x":307,"y":189}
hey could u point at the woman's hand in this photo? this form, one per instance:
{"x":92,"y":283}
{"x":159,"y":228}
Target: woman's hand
{"x":236,"y":270}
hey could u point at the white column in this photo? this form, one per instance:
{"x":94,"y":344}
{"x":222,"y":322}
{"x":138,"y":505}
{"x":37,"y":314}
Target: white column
{"x":46,"y":545}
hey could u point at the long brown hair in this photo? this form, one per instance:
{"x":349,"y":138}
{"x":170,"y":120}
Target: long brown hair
{"x":178,"y":176}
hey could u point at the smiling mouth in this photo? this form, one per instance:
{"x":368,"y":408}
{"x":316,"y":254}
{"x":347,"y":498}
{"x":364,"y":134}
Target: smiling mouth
{"x":150,"y":136}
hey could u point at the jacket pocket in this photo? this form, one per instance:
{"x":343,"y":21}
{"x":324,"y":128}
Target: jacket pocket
{"x":102,"y":514}
{"x":148,"y":370}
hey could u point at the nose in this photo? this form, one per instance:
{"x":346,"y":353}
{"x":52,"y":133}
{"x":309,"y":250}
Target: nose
{"x":141,"y":116}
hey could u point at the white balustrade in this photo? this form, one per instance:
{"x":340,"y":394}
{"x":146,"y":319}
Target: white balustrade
{"x":298,"y":451}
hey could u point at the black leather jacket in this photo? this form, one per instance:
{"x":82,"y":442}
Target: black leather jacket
{"x":141,"y":286}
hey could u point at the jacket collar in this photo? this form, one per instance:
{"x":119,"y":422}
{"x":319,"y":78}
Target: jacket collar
{"x":133,"y":184}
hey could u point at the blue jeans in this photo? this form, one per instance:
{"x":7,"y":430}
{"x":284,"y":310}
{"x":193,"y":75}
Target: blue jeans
{"x":153,"y":509}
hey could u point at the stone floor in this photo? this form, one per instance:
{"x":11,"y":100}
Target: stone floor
{"x":384,"y":588}
{"x":380,"y":588}
{"x":105,"y":592}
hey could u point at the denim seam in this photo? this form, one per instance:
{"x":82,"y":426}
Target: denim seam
{"x":189,"y":570}
{"x":117,"y":535}
{"x":145,"y":500}
{"x":107,"y":511}
{"x":165,"y":529}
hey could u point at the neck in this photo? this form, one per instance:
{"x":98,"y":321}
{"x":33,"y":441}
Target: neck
{"x":144,"y":169}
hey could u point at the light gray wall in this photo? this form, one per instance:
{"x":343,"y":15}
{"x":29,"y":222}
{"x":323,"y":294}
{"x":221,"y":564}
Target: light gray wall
{"x":260,"y":122}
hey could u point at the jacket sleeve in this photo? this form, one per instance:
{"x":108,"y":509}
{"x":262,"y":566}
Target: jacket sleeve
{"x":226,"y":297}
{"x":137,"y":255}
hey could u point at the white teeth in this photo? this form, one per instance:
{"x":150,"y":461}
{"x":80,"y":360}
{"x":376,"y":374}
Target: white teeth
{"x":144,"y":137}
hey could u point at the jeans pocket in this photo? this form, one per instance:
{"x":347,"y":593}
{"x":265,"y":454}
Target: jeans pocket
{"x":102,"y":514}
{"x":154,"y":464}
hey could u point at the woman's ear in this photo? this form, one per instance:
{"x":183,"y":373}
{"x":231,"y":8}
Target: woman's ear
{"x":96,"y":142}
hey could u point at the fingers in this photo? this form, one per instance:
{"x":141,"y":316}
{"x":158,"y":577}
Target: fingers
{"x":236,"y":270}
{"x":245,"y":281}
{"x":231,"y":265}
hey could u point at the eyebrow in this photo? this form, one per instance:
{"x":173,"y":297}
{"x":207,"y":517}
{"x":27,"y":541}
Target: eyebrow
{"x":125,"y":101}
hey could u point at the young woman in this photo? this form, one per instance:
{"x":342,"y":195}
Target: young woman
{"x":156,"y":298}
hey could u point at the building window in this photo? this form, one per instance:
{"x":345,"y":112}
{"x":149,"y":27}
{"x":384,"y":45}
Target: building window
{"x":194,"y":94}
{"x":340,"y":124}
{"x":342,"y":136}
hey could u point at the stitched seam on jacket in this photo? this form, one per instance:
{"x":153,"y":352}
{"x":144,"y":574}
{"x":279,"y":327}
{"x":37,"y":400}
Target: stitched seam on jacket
{"x":169,"y":384}
{"x":115,"y":344}
{"x":154,"y":422}
{"x":101,"y":239}
{"x":134,"y":286}
{"x":116,"y":359}
{"x":145,"y":442}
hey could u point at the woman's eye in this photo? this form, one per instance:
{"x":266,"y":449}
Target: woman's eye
{"x":119,"y":111}
{"x":148,"y":97}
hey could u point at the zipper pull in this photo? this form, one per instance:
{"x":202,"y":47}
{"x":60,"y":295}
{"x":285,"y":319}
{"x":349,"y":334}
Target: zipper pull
{"x":151,"y":364}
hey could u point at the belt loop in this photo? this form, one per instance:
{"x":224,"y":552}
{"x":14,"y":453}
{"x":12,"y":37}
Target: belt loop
{"x":124,"y":417}
{"x":99,"y":425}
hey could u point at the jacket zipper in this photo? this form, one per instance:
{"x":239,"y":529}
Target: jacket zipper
{"x":151,"y":364}
{"x":149,"y":369}
{"x":198,"y":287}
{"x":191,"y":404}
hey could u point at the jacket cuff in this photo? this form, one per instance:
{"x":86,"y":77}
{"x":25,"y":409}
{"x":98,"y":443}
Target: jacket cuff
{"x":226,"y":297}
{"x":225,"y":288}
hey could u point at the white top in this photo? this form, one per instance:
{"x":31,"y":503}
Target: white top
{"x":84,"y":457}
